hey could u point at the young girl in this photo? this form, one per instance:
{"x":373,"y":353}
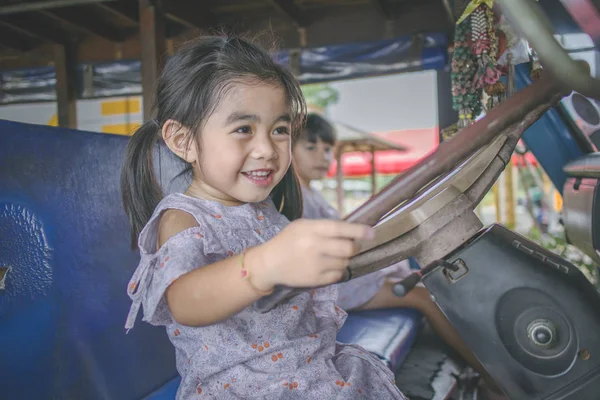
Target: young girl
{"x":312,"y":154}
{"x":226,"y":109}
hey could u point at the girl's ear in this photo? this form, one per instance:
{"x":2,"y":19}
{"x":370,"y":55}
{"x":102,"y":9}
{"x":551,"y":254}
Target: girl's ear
{"x":179,"y":140}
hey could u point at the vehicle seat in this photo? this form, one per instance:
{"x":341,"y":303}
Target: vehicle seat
{"x":64,"y":249}
{"x":65,"y":261}
{"x":582,"y":204}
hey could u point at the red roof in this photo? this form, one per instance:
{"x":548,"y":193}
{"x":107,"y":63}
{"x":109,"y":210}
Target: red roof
{"x":419,"y":142}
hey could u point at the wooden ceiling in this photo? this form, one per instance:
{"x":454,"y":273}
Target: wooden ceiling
{"x":108,"y":30}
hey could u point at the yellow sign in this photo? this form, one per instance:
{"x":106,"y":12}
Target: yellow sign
{"x":53,"y":120}
{"x":119,"y":107}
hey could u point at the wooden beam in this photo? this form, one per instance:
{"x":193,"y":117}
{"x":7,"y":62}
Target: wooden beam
{"x":192,"y":17}
{"x":36,"y":26}
{"x":152,"y":34}
{"x":25,"y":6}
{"x":381,"y":9}
{"x":448,"y":8}
{"x":335,"y":25}
{"x":65,"y":64}
{"x":358,"y":24}
{"x":87,"y":22}
{"x":292,"y":12}
{"x":174,"y":29}
{"x":128,"y":10}
{"x":15,"y":40}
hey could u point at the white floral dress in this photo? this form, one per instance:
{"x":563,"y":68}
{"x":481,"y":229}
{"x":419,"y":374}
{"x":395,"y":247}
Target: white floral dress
{"x":288,"y":353}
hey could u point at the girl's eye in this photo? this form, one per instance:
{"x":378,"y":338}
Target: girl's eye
{"x":310,"y":148}
{"x":244,"y":129}
{"x":282,"y":130}
{"x":327,"y":150}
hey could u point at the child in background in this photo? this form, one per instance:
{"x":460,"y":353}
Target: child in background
{"x":231,"y":114}
{"x":313,"y":153}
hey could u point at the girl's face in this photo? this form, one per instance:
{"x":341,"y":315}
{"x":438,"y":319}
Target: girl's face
{"x":312,"y":160}
{"x":245,"y":145}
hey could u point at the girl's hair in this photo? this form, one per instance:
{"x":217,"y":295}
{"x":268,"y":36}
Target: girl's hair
{"x":191,"y":85}
{"x":317,"y":127}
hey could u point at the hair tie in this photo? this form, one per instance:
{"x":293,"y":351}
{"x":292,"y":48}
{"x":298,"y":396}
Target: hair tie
{"x":155,"y":122}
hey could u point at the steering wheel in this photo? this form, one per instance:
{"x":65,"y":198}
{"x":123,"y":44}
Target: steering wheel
{"x":427,"y":212}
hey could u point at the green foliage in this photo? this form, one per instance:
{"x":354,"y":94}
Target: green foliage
{"x":559,"y":246}
{"x":320,"y":95}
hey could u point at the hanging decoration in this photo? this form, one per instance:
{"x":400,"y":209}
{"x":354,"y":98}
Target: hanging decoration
{"x":536,"y":66}
{"x":474,"y":68}
{"x":448,"y":132}
{"x":465,"y":97}
{"x":485,"y":48}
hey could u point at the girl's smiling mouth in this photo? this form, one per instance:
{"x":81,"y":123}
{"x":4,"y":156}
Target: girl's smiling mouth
{"x":260,"y":177}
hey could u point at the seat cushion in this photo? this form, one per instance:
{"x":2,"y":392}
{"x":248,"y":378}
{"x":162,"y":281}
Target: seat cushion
{"x":166,"y":392}
{"x":389,"y":333}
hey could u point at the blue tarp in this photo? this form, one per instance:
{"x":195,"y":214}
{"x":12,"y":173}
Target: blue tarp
{"x":353,"y":60}
{"x":549,"y":139}
{"x":28,"y":85}
{"x":357,"y":60}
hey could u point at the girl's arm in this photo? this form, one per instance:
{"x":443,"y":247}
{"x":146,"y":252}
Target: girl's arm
{"x":304,"y":254}
{"x":214,"y":292}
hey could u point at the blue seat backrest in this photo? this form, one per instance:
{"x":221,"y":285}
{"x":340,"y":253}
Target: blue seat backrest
{"x":65,"y":240}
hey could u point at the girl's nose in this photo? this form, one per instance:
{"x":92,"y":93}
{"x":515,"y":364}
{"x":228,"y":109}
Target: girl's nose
{"x":264,"y":148}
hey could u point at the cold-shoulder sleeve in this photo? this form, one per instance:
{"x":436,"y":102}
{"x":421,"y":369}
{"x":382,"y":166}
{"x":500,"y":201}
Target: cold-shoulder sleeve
{"x":180,"y":254}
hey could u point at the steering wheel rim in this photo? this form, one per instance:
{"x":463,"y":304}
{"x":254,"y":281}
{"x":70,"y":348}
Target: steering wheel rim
{"x":516,"y":114}
{"x":425,"y":204}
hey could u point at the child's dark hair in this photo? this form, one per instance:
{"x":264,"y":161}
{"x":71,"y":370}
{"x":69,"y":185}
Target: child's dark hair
{"x":317,"y":127}
{"x":190,"y":87}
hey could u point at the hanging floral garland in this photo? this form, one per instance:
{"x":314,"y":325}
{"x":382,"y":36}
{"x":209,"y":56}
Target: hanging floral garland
{"x":465,"y":97}
{"x":474,"y":60}
{"x":485,"y":48}
{"x":536,"y":66}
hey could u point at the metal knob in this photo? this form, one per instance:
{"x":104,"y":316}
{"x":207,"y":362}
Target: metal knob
{"x":542,"y":333}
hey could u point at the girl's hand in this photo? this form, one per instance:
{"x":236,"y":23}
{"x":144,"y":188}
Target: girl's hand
{"x":306,"y":253}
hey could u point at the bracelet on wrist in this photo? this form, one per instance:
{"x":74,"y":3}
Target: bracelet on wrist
{"x":246,"y":274}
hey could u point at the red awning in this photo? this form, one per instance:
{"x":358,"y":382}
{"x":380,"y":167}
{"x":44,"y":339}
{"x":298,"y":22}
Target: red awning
{"x":517,"y":160}
{"x":420,"y":142}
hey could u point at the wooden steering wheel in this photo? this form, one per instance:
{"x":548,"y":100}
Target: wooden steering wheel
{"x":427,"y":212}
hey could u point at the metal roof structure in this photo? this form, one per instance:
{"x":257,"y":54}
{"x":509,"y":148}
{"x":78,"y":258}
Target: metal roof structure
{"x":63,"y":34}
{"x":350,"y":139}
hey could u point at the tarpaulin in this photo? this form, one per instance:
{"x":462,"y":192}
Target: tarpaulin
{"x":352,"y":60}
{"x":355,"y":60}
